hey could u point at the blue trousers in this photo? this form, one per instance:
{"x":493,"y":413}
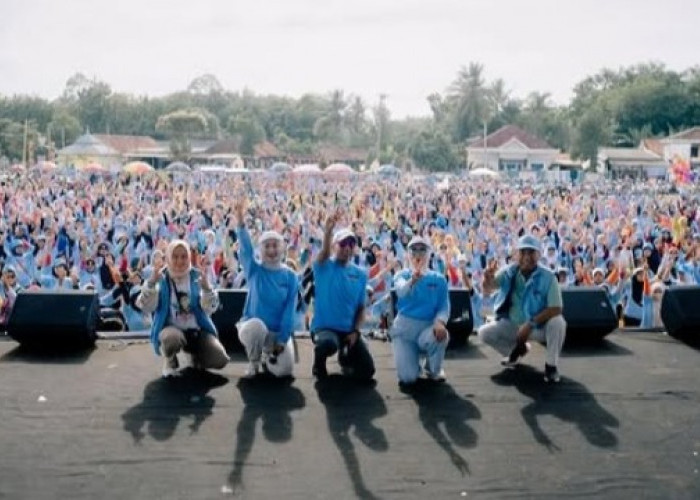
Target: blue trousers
{"x":409,"y":339}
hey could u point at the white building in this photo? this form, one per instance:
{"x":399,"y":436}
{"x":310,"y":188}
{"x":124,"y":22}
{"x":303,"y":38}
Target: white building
{"x":511,"y":151}
{"x":685,"y":144}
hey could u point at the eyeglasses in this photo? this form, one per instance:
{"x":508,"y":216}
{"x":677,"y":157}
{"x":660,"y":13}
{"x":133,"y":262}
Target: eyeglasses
{"x":419,"y":251}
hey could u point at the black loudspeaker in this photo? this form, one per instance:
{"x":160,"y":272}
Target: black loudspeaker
{"x":680,"y":312}
{"x":588,"y":312}
{"x":461,"y":322}
{"x":49,"y":319}
{"x":230,"y":311}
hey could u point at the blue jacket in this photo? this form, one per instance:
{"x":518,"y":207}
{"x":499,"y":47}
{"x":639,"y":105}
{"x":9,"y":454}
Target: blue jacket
{"x":160,"y":316}
{"x":536,"y":290}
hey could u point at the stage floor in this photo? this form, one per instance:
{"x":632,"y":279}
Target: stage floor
{"x":623,"y":423}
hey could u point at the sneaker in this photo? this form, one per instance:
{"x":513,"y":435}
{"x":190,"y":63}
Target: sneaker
{"x":440,"y":377}
{"x":170,"y":366}
{"x":519,"y":351}
{"x":187,"y":360}
{"x":253,"y":369}
{"x":551,"y":374}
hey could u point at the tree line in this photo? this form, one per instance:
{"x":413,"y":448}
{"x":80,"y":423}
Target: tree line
{"x":611,"y":108}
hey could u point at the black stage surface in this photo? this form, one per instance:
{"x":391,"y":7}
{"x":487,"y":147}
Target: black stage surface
{"x":624,"y":423}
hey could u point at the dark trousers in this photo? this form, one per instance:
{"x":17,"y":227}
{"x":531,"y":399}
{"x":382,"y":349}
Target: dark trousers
{"x":355,"y":361}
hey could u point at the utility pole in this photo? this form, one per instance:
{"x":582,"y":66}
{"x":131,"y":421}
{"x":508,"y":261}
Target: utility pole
{"x":380,"y":124}
{"x":24,"y":145}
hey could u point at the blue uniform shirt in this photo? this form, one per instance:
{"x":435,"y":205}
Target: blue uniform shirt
{"x":340,"y":293}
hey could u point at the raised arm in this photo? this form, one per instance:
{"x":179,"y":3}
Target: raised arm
{"x":325,"y":252}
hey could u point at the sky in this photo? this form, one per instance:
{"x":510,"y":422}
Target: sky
{"x":406,"y":49}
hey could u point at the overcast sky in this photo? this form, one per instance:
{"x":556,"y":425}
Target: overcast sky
{"x":404,"y":48}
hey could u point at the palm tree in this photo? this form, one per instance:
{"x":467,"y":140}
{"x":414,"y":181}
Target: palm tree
{"x":330,"y":124}
{"x":468,"y":101}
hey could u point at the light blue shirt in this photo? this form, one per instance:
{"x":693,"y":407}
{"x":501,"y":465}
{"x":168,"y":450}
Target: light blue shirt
{"x":272,"y":293}
{"x":426,"y":300}
{"x":340,"y":293}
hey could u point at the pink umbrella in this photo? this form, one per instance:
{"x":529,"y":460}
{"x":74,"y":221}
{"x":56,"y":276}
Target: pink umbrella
{"x":93,"y":168}
{"x":138,"y":168}
{"x":46,"y":165}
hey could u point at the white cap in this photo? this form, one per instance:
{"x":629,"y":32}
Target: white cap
{"x":418,"y":240}
{"x":270,"y":235}
{"x":343,"y":234}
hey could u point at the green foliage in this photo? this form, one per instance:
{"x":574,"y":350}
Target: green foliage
{"x":611,"y":107}
{"x":432,"y":150}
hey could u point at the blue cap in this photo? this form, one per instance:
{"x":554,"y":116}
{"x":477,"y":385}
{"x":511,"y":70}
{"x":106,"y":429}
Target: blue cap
{"x":529,"y":242}
{"x":648,"y":246}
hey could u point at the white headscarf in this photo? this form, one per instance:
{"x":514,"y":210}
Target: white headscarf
{"x":169,"y":256}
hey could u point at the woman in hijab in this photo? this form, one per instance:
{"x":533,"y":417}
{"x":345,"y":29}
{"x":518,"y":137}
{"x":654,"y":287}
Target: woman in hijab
{"x":182,"y":301}
{"x":267,"y":326}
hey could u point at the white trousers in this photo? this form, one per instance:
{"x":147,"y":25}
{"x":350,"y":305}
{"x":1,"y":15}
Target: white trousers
{"x":501,"y":335}
{"x":258,"y":342}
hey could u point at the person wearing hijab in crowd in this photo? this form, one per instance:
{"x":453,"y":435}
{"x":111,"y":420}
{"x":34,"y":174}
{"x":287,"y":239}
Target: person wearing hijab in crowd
{"x":182,"y":301}
{"x":339,"y":305}
{"x":423,"y":310}
{"x":8,"y":293}
{"x":634,"y":298}
{"x":60,"y":280}
{"x":528,"y":304}
{"x":267,"y":326}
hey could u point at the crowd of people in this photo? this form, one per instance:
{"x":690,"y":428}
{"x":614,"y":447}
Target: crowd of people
{"x":114,"y":235}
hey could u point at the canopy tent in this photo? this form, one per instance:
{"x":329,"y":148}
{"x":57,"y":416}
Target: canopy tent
{"x":178,"y":166}
{"x":484,"y":172}
{"x":307,"y":169}
{"x":280,"y":167}
{"x":388,"y":170}
{"x":92,"y":168}
{"x":137,"y":168}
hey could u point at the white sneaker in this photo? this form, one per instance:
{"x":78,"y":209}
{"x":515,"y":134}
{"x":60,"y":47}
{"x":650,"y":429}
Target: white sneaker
{"x":440,"y":377}
{"x":187,"y":360}
{"x":170,"y":367}
{"x":253,"y":369}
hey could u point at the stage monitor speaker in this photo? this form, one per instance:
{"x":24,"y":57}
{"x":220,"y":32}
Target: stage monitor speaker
{"x":230,"y":311}
{"x":589,"y":314}
{"x":48,"y":319}
{"x":461,"y":322}
{"x":680,"y":312}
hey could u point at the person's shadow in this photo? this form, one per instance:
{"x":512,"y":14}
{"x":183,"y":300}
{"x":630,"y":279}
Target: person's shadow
{"x":353,"y":405}
{"x":268,"y":399}
{"x":167,"y":400}
{"x":569,"y":401}
{"x":445,"y":415}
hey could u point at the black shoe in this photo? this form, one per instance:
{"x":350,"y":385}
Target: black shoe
{"x":551,"y":374}
{"x":519,"y":351}
{"x":318,"y":369}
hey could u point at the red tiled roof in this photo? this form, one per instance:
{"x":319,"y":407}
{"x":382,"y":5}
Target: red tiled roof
{"x":127,"y":143}
{"x":333,"y":154}
{"x":692,"y":134}
{"x":226,"y":146}
{"x":266,"y":149}
{"x":504,"y":134}
{"x":653,"y":145}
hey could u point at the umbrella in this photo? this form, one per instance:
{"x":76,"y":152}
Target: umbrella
{"x":388,"y":170}
{"x":339,"y":168}
{"x":484,"y":172}
{"x":46,"y":165}
{"x":92,"y":168}
{"x":307,"y":169}
{"x":178,"y":166}
{"x":137,"y":167}
{"x":280,"y":167}
{"x":17,"y":167}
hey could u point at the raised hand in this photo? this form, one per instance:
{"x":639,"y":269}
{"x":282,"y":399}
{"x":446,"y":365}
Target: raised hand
{"x":157,"y":275}
{"x":491,"y":268}
{"x":239,"y":208}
